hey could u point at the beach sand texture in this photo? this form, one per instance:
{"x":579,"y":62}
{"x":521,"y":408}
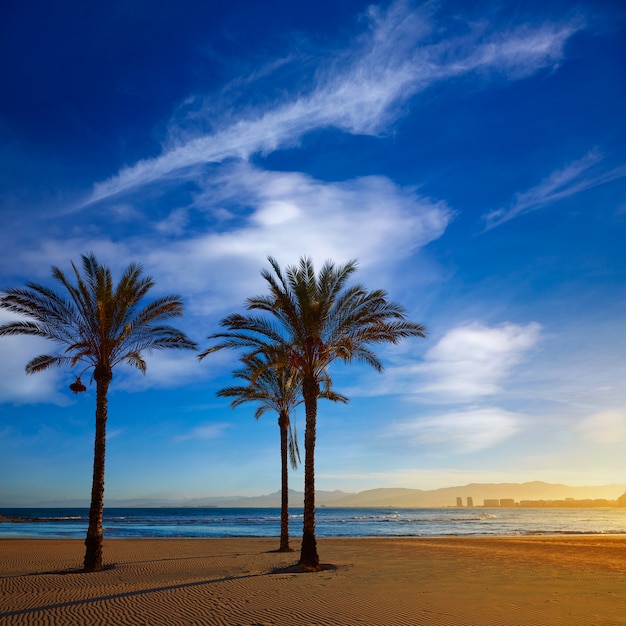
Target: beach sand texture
{"x":436,"y":581}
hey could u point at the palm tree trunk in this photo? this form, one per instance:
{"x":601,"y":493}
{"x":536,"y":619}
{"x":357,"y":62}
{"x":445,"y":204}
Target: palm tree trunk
{"x":283,"y":423}
{"x":309,"y":558}
{"x":93,"y":541}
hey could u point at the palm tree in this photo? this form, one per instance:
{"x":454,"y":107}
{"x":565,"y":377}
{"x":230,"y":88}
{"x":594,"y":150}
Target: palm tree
{"x":322,"y":320}
{"x":99,"y":326}
{"x":276,"y":387}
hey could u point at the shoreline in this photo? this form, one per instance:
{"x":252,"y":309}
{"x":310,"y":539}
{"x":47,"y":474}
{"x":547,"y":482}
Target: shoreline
{"x":528,"y":581}
{"x":146,"y":523}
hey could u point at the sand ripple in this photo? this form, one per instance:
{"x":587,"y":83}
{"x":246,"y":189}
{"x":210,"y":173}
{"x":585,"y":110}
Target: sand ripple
{"x":386,"y":582}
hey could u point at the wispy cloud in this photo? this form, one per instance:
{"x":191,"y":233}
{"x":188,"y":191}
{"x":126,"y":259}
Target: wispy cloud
{"x":371,"y":219}
{"x":606,"y":427}
{"x":285,"y":214}
{"x":165,"y":369}
{"x":113,"y":433}
{"x":574,"y":178}
{"x":473,"y":360}
{"x":204,"y":432}
{"x":470,"y":362}
{"x":517,"y":53}
{"x":463,"y":431}
{"x":399,"y":56}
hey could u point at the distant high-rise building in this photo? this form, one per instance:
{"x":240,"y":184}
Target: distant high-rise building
{"x":470,"y":501}
{"x":507,"y":502}
{"x":491,"y":503}
{"x":459,"y":501}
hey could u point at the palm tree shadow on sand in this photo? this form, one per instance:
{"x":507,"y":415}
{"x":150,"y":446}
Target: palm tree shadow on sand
{"x":298,"y":568}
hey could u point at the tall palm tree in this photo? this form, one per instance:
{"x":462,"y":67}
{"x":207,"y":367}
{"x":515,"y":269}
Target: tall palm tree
{"x":275,"y":386}
{"x":274,"y":389}
{"x":322,"y":320}
{"x":99,"y":325}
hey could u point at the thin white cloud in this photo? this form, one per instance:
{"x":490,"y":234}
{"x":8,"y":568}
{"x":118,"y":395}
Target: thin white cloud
{"x":469,"y":362}
{"x":606,"y":427}
{"x":463,"y":431}
{"x":37,"y":261}
{"x":283,"y":214}
{"x":574,"y":178}
{"x":473,"y":360}
{"x":288,"y":215}
{"x":360,"y":93}
{"x":519,"y":52}
{"x":165,"y":369}
{"x":204,"y":432}
{"x":112,"y":434}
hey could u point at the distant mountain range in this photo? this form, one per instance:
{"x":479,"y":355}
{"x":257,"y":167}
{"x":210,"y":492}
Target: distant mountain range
{"x":385,"y":497}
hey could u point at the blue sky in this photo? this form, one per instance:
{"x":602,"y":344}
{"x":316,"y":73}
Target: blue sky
{"x":472,"y":159}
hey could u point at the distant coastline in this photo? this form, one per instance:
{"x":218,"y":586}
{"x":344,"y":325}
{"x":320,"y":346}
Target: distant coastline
{"x":536,"y":494}
{"x":569,"y":503}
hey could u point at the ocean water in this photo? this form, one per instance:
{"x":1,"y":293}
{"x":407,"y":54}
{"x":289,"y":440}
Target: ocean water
{"x":330,"y":522}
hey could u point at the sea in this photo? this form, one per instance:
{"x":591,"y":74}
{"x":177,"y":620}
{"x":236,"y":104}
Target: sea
{"x":330,"y":522}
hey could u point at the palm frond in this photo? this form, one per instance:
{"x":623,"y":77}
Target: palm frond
{"x":238,"y":339}
{"x":52,"y":315}
{"x":21,"y":328}
{"x":46,"y":361}
{"x":135,"y":360}
{"x":98,"y":322}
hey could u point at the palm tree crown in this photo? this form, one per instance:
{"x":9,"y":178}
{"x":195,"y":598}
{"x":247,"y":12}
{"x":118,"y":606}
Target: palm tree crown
{"x":321,"y":319}
{"x":272,"y":388}
{"x":99,"y":325}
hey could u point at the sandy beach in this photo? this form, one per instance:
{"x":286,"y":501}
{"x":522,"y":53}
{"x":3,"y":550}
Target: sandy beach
{"x":437,"y":581}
